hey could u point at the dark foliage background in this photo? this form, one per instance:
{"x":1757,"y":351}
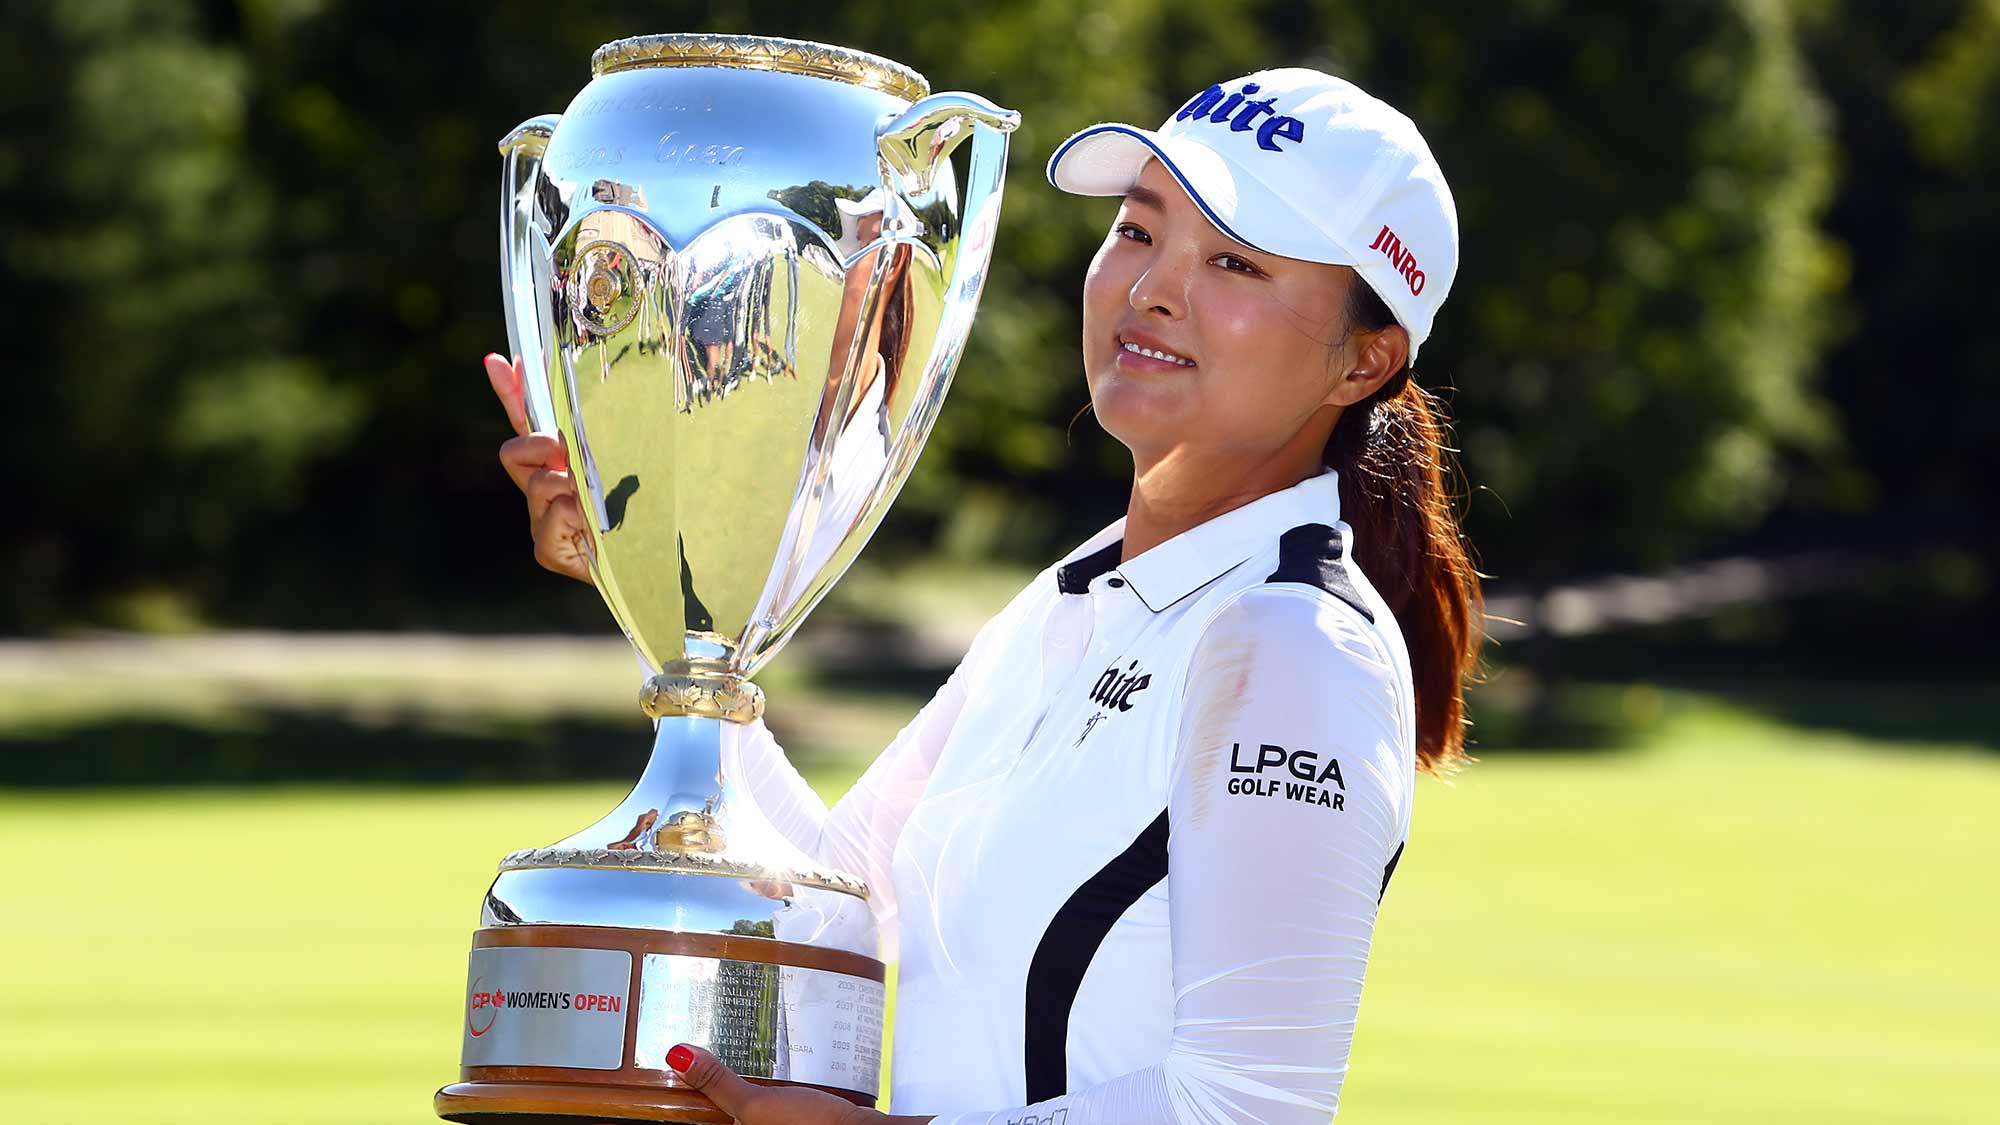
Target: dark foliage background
{"x":1724,"y":284}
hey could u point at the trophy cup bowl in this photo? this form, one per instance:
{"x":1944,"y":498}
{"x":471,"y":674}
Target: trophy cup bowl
{"x":740,"y":272}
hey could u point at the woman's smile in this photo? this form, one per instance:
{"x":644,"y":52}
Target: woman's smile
{"x":1141,"y":352}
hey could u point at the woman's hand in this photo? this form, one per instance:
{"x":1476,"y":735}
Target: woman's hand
{"x":751,"y":1104}
{"x":540,"y":469}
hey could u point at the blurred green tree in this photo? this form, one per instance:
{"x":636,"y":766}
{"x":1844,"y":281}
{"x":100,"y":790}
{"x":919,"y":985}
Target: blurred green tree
{"x":163,"y":400}
{"x":1917,"y":89}
{"x":250,"y":256}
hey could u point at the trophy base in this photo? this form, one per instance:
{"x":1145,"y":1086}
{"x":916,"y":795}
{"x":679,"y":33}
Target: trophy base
{"x":571,"y":1024}
{"x":540,"y":1103}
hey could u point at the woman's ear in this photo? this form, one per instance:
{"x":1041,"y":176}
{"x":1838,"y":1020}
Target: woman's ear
{"x":1378,"y":357}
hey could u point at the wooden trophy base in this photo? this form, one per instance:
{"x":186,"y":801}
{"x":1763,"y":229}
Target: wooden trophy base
{"x":533,"y":1103}
{"x":640,"y":1088}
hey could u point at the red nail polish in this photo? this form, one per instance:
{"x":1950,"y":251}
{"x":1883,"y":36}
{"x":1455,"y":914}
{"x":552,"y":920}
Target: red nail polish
{"x":680,"y":1058}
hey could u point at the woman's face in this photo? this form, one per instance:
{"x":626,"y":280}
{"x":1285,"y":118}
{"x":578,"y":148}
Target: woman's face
{"x":1258,"y":367}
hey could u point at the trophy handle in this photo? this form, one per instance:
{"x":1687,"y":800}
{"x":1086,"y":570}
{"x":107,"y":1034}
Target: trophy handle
{"x":525,"y":270}
{"x":916,"y":141}
{"x":914,"y":146}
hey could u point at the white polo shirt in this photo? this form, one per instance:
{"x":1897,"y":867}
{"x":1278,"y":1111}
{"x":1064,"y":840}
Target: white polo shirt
{"x":1132,"y":850}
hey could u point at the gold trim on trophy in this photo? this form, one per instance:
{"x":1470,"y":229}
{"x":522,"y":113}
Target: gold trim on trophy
{"x":756,"y":52}
{"x":701,"y":687}
{"x":688,"y":863}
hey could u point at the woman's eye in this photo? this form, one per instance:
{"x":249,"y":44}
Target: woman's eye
{"x":1127,"y":230}
{"x":1235,"y":264}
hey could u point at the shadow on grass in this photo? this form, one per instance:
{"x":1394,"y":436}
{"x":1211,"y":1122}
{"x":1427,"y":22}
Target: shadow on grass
{"x":269,"y":745}
{"x":1587,"y":718}
{"x":1578,"y":719}
{"x":334,"y":744}
{"x":909,"y":684}
{"x":1916,"y":676}
{"x":1918,"y":715}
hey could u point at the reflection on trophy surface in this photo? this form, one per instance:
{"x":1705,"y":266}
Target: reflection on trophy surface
{"x":740,"y":272}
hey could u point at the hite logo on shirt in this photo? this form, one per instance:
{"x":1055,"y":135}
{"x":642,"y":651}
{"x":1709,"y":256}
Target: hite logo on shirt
{"x":1116,"y":689}
{"x":1303,"y":765}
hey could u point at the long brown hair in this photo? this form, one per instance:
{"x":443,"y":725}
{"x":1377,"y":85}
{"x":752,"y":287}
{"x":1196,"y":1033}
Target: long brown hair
{"x":1390,"y":452}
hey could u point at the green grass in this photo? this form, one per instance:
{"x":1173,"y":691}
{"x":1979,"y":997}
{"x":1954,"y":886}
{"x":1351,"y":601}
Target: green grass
{"x":1736,"y":919}
{"x":1740,"y":921}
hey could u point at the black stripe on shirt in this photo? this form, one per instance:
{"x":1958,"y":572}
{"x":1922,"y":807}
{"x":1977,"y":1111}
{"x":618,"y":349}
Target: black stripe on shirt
{"x":1074,"y":578}
{"x":1066,"y":949}
{"x":1310,"y":554}
{"x":1390,"y":870}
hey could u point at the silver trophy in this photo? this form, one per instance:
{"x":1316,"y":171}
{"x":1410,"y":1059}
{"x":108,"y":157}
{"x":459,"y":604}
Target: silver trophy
{"x":740,"y":272}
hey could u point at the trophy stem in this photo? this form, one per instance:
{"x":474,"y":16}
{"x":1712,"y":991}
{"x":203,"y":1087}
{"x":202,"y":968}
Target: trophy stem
{"x":674,"y":805}
{"x":685,"y":817}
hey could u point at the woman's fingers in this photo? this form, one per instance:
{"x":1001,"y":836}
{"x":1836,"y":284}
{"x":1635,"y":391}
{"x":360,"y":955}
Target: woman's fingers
{"x":539,"y":466}
{"x":751,"y":1104}
{"x":529,"y":454}
{"x":544,"y":487}
{"x":507,"y":379}
{"x":562,"y":541}
{"x":717,"y":1082}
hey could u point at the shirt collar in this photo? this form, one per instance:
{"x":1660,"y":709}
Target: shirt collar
{"x":1097,"y":556}
{"x":1190,"y":560}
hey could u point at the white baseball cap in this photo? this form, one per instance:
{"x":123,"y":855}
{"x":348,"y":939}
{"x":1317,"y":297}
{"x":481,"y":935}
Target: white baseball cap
{"x":1300,"y":164}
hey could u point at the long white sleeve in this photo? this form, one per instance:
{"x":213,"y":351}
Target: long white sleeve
{"x":1289,"y":801}
{"x":858,"y":835}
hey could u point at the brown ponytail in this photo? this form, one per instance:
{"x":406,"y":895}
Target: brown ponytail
{"x":1389,"y":451}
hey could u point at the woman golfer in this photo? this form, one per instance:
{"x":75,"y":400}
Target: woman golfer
{"x":1133,"y":849}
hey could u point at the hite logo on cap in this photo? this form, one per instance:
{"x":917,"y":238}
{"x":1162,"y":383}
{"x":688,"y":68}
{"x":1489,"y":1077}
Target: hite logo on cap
{"x":1400,"y":256}
{"x":1216,"y":106}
